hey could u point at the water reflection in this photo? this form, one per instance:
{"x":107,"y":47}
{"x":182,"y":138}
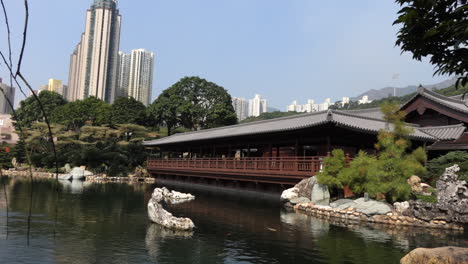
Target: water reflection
{"x":156,"y":235}
{"x":107,"y":223}
{"x":74,"y":186}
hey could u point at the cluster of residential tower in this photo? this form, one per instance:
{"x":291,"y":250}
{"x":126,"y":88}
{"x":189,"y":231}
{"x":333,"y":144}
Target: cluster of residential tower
{"x":257,"y":105}
{"x":98,"y":68}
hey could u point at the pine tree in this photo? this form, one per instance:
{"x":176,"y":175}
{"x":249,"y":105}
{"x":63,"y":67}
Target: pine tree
{"x":356,"y":175}
{"x":394,"y":165}
{"x":332,"y":166}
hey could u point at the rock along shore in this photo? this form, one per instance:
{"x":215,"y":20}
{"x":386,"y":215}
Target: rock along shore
{"x":98,"y":178}
{"x":450,"y":211}
{"x":392,"y":218}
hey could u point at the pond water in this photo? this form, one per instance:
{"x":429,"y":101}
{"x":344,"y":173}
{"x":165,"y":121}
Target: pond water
{"x":107,"y":223}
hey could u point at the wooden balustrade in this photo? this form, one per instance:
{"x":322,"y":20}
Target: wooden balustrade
{"x":290,"y":169}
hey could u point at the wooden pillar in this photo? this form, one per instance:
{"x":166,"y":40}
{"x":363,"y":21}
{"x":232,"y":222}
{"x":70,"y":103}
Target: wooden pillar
{"x":277,"y":151}
{"x":270,"y":147}
{"x":296,"y":148}
{"x":214,"y":151}
{"x":328,"y":144}
{"x":229,"y":151}
{"x":248,"y":150}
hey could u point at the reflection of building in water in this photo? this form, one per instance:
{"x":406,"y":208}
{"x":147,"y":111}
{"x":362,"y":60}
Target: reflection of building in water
{"x":7,"y":130}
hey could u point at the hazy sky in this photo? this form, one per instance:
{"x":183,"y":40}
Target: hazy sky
{"x":282,"y":49}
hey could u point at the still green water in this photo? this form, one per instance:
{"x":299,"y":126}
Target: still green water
{"x":107,"y":223}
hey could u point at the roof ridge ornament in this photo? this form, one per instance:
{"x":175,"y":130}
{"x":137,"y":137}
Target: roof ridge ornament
{"x":421,"y":89}
{"x":330,"y":115}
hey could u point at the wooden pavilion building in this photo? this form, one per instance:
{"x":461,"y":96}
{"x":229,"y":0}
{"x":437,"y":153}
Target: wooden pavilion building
{"x":285,"y":150}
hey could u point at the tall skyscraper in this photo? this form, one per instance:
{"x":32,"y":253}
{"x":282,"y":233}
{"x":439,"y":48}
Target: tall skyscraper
{"x":135,"y":75}
{"x":123,"y":74}
{"x":7,"y":94}
{"x":257,"y":106}
{"x":240,"y":106}
{"x":93,"y":64}
{"x":140,"y":82}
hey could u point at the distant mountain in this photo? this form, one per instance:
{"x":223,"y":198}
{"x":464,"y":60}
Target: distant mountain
{"x":271,"y":109}
{"x":388,"y":91}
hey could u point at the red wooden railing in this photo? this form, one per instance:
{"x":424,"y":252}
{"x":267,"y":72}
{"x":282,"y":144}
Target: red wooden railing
{"x":288,"y":167}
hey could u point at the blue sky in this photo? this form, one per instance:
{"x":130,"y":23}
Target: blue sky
{"x":282,"y":49}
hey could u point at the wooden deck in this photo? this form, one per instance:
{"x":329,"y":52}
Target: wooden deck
{"x":283,"y":171}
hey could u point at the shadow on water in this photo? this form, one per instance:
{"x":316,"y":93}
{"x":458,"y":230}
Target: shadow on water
{"x":108,"y":223}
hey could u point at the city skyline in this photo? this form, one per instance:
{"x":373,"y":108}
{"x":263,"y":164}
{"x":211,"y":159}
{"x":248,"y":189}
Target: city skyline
{"x":304,"y":66}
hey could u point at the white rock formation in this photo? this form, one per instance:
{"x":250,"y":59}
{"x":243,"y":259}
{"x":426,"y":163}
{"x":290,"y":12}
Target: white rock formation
{"x":289,"y":194}
{"x":401,"y":208}
{"x":320,"y":194}
{"x":159,"y":215}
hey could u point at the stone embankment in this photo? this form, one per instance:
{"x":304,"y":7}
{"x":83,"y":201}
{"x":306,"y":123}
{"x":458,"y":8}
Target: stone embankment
{"x":391,"y":218}
{"x":98,"y":178}
{"x":159,"y":215}
{"x":103,"y":178}
{"x":26,"y":173}
{"x":450,"y":212}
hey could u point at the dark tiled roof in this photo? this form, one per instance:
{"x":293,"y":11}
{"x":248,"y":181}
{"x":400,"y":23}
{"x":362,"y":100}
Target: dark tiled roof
{"x":460,"y":144}
{"x":451,"y":102}
{"x":365,"y":121}
{"x":444,"y":132}
{"x":370,"y":112}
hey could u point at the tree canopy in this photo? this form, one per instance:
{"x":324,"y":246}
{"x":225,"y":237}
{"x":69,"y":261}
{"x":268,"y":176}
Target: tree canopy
{"x":90,"y":111}
{"x":194,"y":103}
{"x":437,"y":29}
{"x":385,"y":173}
{"x":30,"y":112}
{"x":127,"y":110}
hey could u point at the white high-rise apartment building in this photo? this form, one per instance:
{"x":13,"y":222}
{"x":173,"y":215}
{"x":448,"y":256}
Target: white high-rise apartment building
{"x":140,"y":82}
{"x":294,"y":107}
{"x":324,"y":106}
{"x":93,"y":64}
{"x":240,"y":106}
{"x":364,"y":100}
{"x":135,"y":75}
{"x":123,"y":74}
{"x":345,"y":101}
{"x":310,"y":106}
{"x":257,"y":106}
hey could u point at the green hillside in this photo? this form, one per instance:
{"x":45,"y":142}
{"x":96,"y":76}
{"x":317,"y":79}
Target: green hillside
{"x":449,"y":91}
